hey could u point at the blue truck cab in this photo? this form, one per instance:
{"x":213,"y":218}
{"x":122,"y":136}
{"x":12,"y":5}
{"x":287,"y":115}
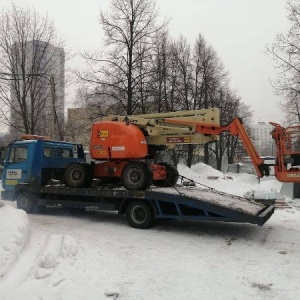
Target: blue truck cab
{"x":36,"y":162}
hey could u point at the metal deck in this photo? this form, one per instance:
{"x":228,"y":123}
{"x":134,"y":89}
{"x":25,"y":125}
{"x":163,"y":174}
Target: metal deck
{"x":173,"y":203}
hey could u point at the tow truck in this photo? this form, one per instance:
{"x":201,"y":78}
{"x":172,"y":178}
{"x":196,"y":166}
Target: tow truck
{"x":122,"y":177}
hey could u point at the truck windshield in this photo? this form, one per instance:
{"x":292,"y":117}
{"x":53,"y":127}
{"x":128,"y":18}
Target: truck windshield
{"x":18,"y":154}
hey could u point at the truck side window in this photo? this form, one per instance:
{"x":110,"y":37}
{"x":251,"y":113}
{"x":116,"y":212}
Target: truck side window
{"x":48,"y":152}
{"x":64,"y":152}
{"x":18,"y":154}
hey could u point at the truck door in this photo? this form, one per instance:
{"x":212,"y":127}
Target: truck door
{"x":16,"y":166}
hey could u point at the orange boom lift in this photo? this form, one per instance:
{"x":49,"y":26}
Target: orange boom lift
{"x":124,"y":148}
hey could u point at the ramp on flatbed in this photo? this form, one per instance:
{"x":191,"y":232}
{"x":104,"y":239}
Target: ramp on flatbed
{"x":211,"y":205}
{"x":214,"y":197}
{"x":191,"y":203}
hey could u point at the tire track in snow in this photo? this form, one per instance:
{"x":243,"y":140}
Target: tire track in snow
{"x":24,"y":264}
{"x":37,"y":261}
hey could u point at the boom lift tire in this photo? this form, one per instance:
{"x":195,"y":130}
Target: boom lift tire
{"x":78,"y":175}
{"x":26,"y":201}
{"x":139,"y":214}
{"x":171,"y":178}
{"x":136,"y":175}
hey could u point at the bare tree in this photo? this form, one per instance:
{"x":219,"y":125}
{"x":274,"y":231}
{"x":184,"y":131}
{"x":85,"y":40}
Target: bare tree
{"x":285,"y":51}
{"x":129,"y":28}
{"x":234,"y":147}
{"x":231,"y":146}
{"x":182,"y":53}
{"x":209,"y":74}
{"x":187,"y":79}
{"x":209,"y":78}
{"x":158,"y":83}
{"x":28,"y":59}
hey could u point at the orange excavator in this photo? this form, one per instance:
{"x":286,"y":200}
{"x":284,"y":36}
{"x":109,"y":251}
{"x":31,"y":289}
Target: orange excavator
{"x":123,"y":148}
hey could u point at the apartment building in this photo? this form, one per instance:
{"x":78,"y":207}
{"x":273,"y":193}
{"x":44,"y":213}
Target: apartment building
{"x":262,"y":138}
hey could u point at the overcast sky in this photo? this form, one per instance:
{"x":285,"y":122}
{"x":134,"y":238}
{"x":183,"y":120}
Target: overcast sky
{"x":239,"y":31}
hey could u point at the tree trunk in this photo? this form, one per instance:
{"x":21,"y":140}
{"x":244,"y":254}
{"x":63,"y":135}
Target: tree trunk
{"x":190,"y":155}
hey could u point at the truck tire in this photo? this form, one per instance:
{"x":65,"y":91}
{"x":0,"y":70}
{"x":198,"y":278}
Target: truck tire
{"x":26,"y":201}
{"x":139,"y":214}
{"x":136,"y":175}
{"x":78,"y":175}
{"x":171,"y":178}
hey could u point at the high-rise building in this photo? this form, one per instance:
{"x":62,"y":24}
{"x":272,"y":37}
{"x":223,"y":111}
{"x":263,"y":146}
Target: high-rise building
{"x":262,"y":139}
{"x":45,"y":98}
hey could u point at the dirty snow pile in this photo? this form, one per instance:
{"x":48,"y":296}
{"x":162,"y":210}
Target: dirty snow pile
{"x":96,"y":255}
{"x":237,"y":184}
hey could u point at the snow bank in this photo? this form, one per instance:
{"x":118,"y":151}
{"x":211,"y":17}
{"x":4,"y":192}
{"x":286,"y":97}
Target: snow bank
{"x":56,"y":248}
{"x":14,"y":230}
{"x":33,"y":266}
{"x":231,"y":183}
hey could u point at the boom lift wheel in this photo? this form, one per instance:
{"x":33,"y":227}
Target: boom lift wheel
{"x":26,"y":201}
{"x":139,"y":214}
{"x":171,"y":178}
{"x":78,"y":175}
{"x":136,"y":175}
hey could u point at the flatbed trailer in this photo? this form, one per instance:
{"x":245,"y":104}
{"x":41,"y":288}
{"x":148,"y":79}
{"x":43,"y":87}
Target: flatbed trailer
{"x":142,"y":208}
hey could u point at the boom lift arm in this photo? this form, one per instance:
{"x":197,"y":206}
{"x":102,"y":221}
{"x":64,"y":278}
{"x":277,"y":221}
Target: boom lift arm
{"x":236,"y":128}
{"x":172,"y":128}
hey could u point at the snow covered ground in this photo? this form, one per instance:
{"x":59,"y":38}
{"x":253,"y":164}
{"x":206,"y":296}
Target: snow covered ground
{"x":96,"y":255}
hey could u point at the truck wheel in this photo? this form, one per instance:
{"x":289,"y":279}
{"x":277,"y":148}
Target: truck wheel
{"x":78,"y":175}
{"x":26,"y":201}
{"x":136,"y":175}
{"x":139,"y":214}
{"x":171,"y":178}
